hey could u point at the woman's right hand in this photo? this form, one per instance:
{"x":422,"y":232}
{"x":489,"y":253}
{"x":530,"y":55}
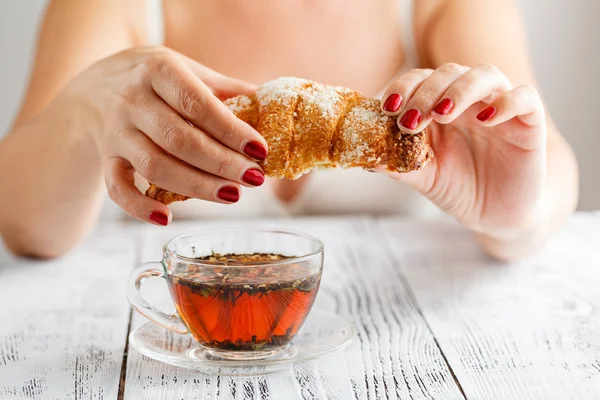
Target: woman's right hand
{"x":157,"y":112}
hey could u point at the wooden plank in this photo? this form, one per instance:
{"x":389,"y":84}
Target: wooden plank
{"x":63,"y":323}
{"x":526,"y":330}
{"x":395,"y":357}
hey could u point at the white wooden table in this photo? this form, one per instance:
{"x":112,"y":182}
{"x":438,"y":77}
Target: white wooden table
{"x":437,"y":319}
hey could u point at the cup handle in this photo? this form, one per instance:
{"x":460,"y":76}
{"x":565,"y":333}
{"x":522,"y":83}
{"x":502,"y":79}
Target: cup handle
{"x":137,"y":276}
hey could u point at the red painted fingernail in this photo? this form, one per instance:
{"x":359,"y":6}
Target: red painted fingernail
{"x":159,"y":218}
{"x":393,"y":103}
{"x":255,"y":150}
{"x":411,"y":119}
{"x":254,"y":177}
{"x":229,"y":193}
{"x":486,"y":114}
{"x":444,"y":107}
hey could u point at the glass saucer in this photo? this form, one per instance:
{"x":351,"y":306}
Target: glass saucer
{"x":322,"y":333}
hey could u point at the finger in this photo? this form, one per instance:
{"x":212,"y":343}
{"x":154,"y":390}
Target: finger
{"x":195,"y":102}
{"x":168,"y":130}
{"x":483,"y":83}
{"x":173,"y":175}
{"x":222,"y":86}
{"x":523,"y":103}
{"x":119,"y":179}
{"x":401,"y":89}
{"x":416,"y":115}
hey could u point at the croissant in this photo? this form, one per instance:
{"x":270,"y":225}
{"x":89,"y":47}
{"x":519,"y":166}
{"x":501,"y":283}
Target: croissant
{"x":308,"y":125}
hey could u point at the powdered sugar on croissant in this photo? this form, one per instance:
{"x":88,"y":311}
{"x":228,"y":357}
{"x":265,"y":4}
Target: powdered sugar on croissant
{"x":308,"y":125}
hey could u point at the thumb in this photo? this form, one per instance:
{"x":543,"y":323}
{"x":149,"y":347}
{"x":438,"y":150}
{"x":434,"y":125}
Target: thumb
{"x":221,"y":85}
{"x":225,"y":87}
{"x":421,"y":180}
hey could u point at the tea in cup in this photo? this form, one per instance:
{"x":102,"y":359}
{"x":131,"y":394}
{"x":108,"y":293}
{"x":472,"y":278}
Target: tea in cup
{"x":242,"y":293}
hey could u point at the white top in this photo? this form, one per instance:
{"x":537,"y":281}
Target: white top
{"x":327,"y":191}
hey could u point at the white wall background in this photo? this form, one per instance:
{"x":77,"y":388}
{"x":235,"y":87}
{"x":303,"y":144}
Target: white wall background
{"x":564,"y":37}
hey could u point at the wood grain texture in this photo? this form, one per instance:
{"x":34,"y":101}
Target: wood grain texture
{"x":526,"y":330}
{"x":423,"y":294}
{"x":63,"y":323}
{"x":396,"y":356}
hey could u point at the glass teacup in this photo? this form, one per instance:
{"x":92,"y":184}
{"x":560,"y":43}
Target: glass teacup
{"x":242,"y":293}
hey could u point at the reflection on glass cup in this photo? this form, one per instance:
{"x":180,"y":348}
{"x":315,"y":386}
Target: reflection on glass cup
{"x":242,"y":293}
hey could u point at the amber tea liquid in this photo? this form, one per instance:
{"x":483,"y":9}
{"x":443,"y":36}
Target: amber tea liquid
{"x":247,"y":308}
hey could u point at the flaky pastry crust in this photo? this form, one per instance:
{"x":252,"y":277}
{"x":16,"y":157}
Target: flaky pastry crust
{"x":308,"y":125}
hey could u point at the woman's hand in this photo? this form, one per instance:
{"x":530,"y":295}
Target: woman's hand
{"x":157,"y":112}
{"x":489,"y":140}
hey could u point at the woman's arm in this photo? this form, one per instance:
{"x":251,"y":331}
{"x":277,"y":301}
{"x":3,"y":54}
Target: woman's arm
{"x":50,"y":172}
{"x":474,"y":32}
{"x":94,"y":115}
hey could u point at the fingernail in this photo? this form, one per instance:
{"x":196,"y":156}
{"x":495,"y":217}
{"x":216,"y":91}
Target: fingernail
{"x":411,"y":119}
{"x":255,"y":150}
{"x":254,"y":177}
{"x":229,"y":193}
{"x":159,"y":218}
{"x":393,"y":103}
{"x":486,"y":114}
{"x":443,"y":107}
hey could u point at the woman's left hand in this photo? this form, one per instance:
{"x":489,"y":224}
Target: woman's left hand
{"x":489,"y":143}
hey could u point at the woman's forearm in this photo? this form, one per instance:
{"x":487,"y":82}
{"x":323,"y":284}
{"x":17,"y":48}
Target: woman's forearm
{"x":557,"y":204}
{"x":52,"y":183}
